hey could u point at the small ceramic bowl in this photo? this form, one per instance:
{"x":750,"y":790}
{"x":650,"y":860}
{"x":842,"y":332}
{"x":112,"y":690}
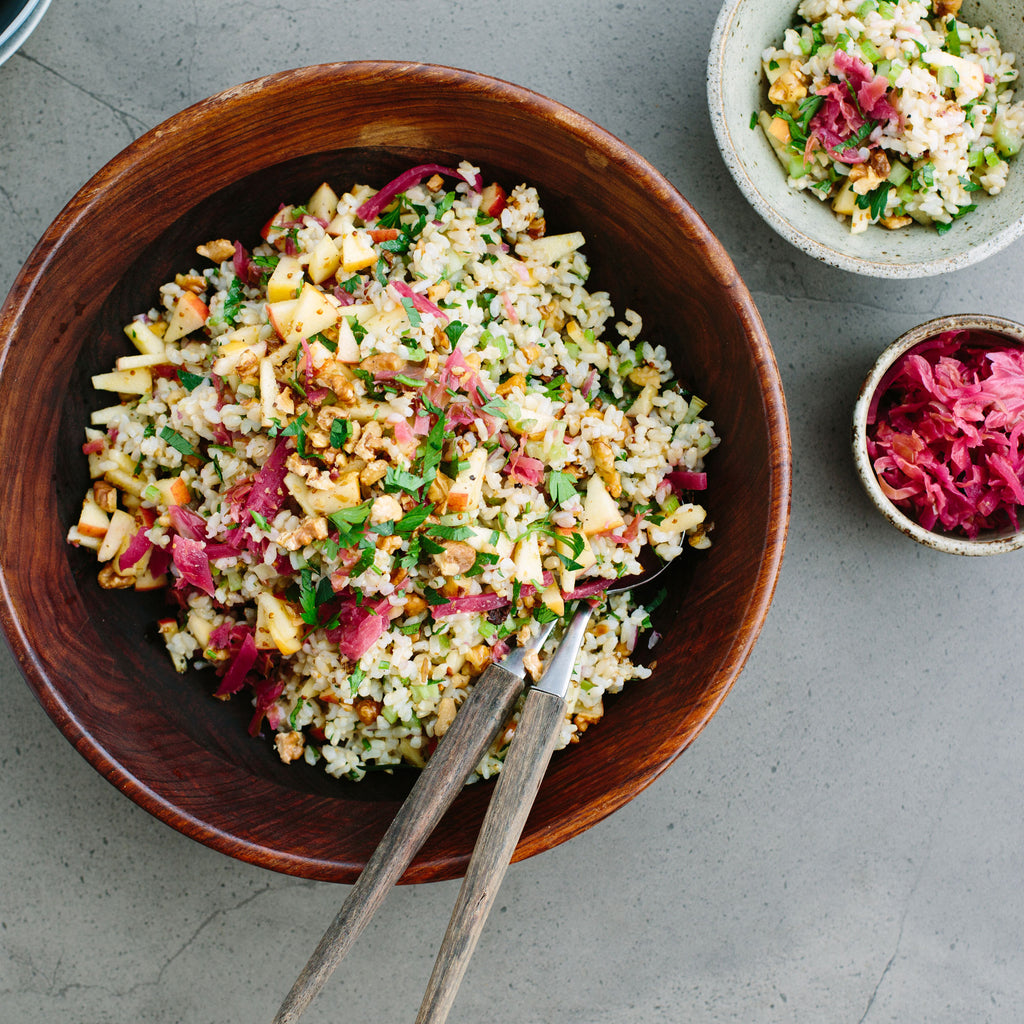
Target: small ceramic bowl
{"x":736,"y":90}
{"x":993,"y":543}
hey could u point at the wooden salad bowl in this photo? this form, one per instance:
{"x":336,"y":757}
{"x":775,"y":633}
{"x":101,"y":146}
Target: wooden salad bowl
{"x":219,"y":169}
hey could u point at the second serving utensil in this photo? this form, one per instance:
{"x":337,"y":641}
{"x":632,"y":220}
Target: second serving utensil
{"x":482,"y":714}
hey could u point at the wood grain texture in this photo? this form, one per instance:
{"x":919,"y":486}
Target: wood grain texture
{"x":487,"y":708}
{"x":524,"y":769}
{"x":217,"y":170}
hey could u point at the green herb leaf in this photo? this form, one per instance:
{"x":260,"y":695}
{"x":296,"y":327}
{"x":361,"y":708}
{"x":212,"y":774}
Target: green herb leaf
{"x":401,"y":480}
{"x":260,"y":521}
{"x":455,"y":330}
{"x":341,"y":431}
{"x":189,"y":381}
{"x":353,"y":516}
{"x":561,"y":486}
{"x":450,"y":532}
{"x":233,"y":301}
{"x":176,"y":441}
{"x":356,"y":679}
{"x":952,"y":38}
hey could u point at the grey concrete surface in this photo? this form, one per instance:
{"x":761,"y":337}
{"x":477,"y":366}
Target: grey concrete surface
{"x":844,"y":843}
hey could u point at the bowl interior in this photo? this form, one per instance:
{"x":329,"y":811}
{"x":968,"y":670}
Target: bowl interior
{"x":877,"y":381}
{"x":737,"y":90}
{"x":218,"y":170}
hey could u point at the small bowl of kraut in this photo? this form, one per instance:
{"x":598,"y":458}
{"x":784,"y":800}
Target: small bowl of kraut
{"x":879,"y":136}
{"x":306,"y":433}
{"x":938,"y":434}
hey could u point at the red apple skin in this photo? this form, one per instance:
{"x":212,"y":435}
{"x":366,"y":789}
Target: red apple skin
{"x":493,"y":199}
{"x":275,"y":222}
{"x":195,"y":305}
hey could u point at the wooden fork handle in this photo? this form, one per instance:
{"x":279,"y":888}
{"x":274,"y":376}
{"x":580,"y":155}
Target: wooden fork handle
{"x":520,"y":778}
{"x":487,"y":708}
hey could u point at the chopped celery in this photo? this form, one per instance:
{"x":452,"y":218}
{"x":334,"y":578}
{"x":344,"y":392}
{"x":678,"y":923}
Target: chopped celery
{"x":869,"y":50}
{"x":1008,"y":142}
{"x":887,"y":9}
{"x":799,"y":169}
{"x":389,"y":714}
{"x":694,"y":409}
{"x":670,"y":504}
{"x":867,"y":8}
{"x":425,"y":691}
{"x":947,"y":77}
{"x":898,"y":173}
{"x":883,"y":67}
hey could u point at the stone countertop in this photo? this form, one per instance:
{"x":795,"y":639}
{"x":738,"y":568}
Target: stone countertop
{"x":843,"y":843}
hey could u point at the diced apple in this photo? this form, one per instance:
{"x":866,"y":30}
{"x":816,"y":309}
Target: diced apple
{"x":105,"y":416}
{"x":526,"y":558}
{"x":324,"y":260}
{"x":348,"y":347}
{"x":93,"y":521}
{"x":572,"y":545}
{"x":141,"y":360}
{"x":234,"y":345}
{"x":600,"y":510}
{"x":467,"y":490}
{"x":268,"y":391}
{"x":82,"y":540}
{"x":345,"y":494}
{"x":493,"y":199}
{"x":190,"y":313}
{"x":125,"y":480}
{"x":200,"y":628}
{"x":125,"y":382}
{"x":285,"y":280}
{"x":280,"y":315}
{"x":356,"y":252}
{"x":553,"y":600}
{"x":121,"y":528}
{"x":845,"y":201}
{"x":277,"y":625}
{"x":144,"y":339}
{"x":145,"y":580}
{"x":323,"y":203}
{"x":276,"y":223}
{"x":686,"y":517}
{"x":551,"y":248}
{"x":173,"y":491}
{"x":644,"y":402}
{"x":313,"y":313}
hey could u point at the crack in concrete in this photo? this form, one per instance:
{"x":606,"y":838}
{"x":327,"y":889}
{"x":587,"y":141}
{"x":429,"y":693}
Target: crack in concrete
{"x":123,"y":116}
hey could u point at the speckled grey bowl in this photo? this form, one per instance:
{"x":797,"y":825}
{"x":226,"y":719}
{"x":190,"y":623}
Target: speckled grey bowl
{"x":17,"y":22}
{"x":994,"y":543}
{"x":736,"y":90}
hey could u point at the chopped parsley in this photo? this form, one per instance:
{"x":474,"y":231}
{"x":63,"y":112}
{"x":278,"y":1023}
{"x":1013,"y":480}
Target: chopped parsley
{"x":189,"y":381}
{"x":176,"y":441}
{"x":561,"y":486}
{"x":233,"y":301}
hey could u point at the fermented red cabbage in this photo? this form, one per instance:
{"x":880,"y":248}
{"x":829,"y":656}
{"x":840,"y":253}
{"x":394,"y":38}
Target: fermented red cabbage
{"x":945,"y":433}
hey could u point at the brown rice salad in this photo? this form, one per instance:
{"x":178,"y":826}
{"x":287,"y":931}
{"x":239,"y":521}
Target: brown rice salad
{"x":370,"y":454}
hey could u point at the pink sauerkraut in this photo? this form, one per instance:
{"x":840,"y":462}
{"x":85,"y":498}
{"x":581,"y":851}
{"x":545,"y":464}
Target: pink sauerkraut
{"x":945,"y":433}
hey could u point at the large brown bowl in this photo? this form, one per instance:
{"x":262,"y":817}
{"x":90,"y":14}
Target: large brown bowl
{"x":218,"y":169}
